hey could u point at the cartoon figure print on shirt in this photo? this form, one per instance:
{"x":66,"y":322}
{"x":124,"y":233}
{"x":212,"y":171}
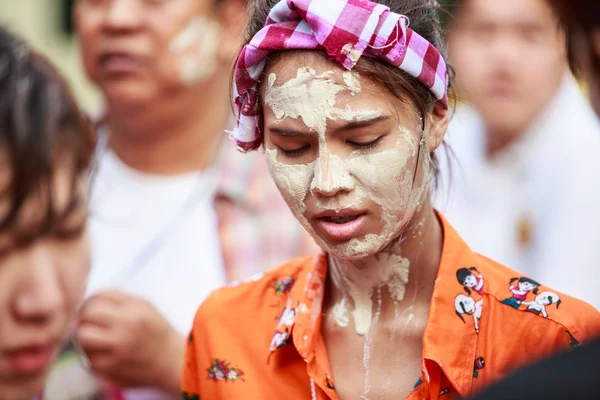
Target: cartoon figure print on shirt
{"x":471,"y":303}
{"x":283,"y":331}
{"x":520,"y":290}
{"x":478,"y":366}
{"x":539,"y":305}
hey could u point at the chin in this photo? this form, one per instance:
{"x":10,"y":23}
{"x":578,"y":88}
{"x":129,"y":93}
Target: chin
{"x":126,"y":93}
{"x":353,"y":249}
{"x":22,"y":388}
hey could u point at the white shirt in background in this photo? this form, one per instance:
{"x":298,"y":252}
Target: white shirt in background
{"x":154,"y":237}
{"x":535,"y":206}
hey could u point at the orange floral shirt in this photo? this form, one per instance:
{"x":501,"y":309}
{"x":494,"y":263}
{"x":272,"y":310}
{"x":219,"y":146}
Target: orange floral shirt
{"x":261,"y":339}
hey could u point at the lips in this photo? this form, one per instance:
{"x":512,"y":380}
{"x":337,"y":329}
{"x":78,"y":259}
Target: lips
{"x":118,"y":63}
{"x":340,"y":225}
{"x":30,"y":360}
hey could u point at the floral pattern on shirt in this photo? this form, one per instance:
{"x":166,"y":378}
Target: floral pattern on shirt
{"x":223,"y":371}
{"x":189,"y":396}
{"x":284,"y":285}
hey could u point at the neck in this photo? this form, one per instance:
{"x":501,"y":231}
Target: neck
{"x":402,"y":274}
{"x":176,"y":134}
{"x":497,"y":140}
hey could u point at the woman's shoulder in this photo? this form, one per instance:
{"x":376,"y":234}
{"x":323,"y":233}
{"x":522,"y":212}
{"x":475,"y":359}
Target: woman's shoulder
{"x":513,"y":292}
{"x":241,"y":300}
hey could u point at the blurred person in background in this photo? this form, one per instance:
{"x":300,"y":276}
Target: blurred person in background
{"x":175,"y":211}
{"x":574,"y":374}
{"x":46,"y":144}
{"x":581,"y":20}
{"x":527,"y":147}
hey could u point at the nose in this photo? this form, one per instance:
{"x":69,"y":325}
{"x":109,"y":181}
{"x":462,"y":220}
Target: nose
{"x":40,"y":297}
{"x":331,"y":176}
{"x":504,"y":51}
{"x":123,"y":15}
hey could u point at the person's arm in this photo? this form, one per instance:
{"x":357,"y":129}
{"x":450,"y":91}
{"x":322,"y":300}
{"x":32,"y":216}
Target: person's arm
{"x":171,"y":378}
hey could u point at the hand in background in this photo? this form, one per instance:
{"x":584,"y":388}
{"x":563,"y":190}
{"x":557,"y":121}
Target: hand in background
{"x":129,"y":343}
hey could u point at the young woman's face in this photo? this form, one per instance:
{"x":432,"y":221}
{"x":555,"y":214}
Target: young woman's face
{"x":343,"y":152}
{"x":41,"y":283}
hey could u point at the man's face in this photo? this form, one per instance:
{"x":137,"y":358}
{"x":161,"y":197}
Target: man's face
{"x":510,"y":59}
{"x":138,"y":50}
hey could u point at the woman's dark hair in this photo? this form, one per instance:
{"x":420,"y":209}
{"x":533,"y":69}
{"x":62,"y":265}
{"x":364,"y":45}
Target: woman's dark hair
{"x":42,"y":126}
{"x":424,"y":19}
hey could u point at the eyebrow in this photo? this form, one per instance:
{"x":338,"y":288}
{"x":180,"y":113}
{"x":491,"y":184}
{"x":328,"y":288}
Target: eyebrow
{"x":348,"y":127}
{"x":362,"y":123}
{"x":288,"y":132}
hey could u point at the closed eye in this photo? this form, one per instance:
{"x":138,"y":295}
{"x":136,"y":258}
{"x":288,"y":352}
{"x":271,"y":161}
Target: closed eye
{"x":294,"y":152}
{"x":364,"y":145}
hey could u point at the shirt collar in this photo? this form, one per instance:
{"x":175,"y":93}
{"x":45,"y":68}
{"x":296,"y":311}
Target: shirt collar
{"x":448,"y":341}
{"x":452,"y":346}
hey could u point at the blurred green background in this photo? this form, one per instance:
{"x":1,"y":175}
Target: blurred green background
{"x":47,"y":26}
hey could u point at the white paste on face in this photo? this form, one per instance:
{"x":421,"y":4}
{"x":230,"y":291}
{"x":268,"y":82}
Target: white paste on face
{"x":196,"y":48}
{"x":383,"y":180}
{"x":348,"y":50}
{"x":312,"y":97}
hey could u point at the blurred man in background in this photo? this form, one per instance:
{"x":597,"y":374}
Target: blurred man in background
{"x":572,"y":375}
{"x":527,"y":146}
{"x":174,"y":214}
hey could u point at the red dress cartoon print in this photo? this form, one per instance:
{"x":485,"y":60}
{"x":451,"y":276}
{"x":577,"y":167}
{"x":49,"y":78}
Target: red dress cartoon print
{"x":470,"y":279}
{"x":520,"y":290}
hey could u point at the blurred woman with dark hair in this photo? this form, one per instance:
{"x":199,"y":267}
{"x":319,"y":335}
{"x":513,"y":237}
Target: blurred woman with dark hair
{"x":45,"y":147}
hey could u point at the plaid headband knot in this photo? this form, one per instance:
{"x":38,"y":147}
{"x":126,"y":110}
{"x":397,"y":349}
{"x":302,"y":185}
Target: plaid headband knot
{"x":346,"y":30}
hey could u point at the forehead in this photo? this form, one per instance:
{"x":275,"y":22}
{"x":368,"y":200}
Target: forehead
{"x":348,"y":89}
{"x":285,"y":68}
{"x":509,"y":11}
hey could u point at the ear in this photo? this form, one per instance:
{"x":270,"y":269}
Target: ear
{"x":232,"y":19}
{"x":438,"y":124}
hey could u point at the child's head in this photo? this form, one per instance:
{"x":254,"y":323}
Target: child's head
{"x":45,"y":148}
{"x":348,"y":137}
{"x":466,"y":278}
{"x":527,"y":284}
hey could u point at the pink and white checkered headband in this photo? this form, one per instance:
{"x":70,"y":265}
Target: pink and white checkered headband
{"x":346,"y":30}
